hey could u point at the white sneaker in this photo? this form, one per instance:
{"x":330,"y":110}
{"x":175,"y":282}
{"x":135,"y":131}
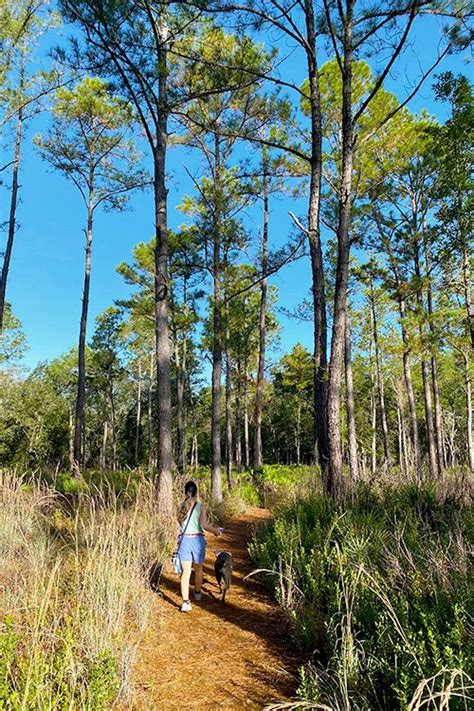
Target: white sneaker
{"x":197,"y":596}
{"x":186,"y":606}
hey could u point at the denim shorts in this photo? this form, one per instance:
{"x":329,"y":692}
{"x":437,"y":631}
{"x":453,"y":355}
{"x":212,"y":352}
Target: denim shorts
{"x":193,"y":548}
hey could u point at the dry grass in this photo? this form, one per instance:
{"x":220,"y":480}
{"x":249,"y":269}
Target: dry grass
{"x":74,"y":595}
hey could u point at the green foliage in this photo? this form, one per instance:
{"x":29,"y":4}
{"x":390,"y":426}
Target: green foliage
{"x":34,"y":418}
{"x":248,"y":493}
{"x":88,"y":144}
{"x":377,"y":589}
{"x":22,"y":83}
{"x":13,"y":340}
{"x":375,"y":140}
{"x":289,"y":409}
{"x":285,"y":475}
{"x":243,"y":494}
{"x":66,"y":484}
{"x":103,"y":681}
{"x":8,"y":646}
{"x":26,"y":676}
{"x":105,"y":486}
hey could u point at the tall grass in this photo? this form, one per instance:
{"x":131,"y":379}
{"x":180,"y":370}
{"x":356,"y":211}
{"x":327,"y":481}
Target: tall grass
{"x":378,"y":591}
{"x":74,"y":594}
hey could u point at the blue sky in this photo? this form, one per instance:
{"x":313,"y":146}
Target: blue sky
{"x":45,"y":282}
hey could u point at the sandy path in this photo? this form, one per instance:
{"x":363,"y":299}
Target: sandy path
{"x":232,"y":656}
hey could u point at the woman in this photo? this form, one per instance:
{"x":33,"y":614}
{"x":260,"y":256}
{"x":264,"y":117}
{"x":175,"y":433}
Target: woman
{"x":192,"y":516}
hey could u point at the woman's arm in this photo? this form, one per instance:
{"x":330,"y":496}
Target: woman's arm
{"x":205,"y":523}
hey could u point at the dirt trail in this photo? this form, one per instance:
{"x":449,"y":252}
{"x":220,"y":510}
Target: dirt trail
{"x":232,"y":656}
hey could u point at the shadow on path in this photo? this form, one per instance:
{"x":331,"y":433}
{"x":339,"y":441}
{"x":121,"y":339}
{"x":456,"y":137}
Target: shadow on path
{"x":219,"y":656}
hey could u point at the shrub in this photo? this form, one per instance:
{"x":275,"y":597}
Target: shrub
{"x":280,"y":483}
{"x":377,"y":591}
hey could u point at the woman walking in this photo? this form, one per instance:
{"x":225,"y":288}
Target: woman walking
{"x":192,"y":515}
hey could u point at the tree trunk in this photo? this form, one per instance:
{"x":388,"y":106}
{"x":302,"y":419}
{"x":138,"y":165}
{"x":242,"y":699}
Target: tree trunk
{"x":139,"y":412}
{"x":438,"y":421}
{"x":165,"y":450}
{"x":180,"y":383}
{"x":405,"y":442}
{"x":403,"y":459}
{"x":409,"y":387}
{"x":373,"y":414}
{"x":216,"y":475}
{"x":406,"y":351}
{"x":81,"y":370}
{"x":228,"y":413}
{"x":194,"y":453}
{"x":246,"y":419}
{"x":430,"y":432}
{"x":335,"y":469}
{"x":467,"y":289}
{"x":469,"y":307}
{"x":432,"y":459}
{"x":103,"y":449}
{"x":184,"y":376}
{"x":400,"y":441}
{"x":470,"y":440}
{"x":13,"y":207}
{"x":351,"y":425}
{"x":452,"y":438}
{"x":150,"y":412}
{"x":71,"y":439}
{"x":85,"y":454}
{"x":257,"y":445}
{"x":238,"y":417}
{"x":298,"y":435}
{"x":380,"y":382}
{"x":316,"y":254}
{"x":114,"y":425}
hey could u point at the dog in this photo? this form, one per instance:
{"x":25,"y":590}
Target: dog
{"x":223,"y":571}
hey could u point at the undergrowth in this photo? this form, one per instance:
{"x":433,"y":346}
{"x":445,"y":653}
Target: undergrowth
{"x":74,"y":594}
{"x":378,"y":591}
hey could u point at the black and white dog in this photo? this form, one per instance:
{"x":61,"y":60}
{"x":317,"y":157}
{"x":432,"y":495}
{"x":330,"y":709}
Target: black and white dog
{"x":223,"y":571}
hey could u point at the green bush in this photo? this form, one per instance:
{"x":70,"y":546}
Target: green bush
{"x":285,"y":474}
{"x":52,"y":678}
{"x":377,"y":589}
{"x":280,"y":483}
{"x":248,"y":493}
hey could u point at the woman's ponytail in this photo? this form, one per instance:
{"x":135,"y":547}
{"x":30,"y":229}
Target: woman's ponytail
{"x":190,"y":492}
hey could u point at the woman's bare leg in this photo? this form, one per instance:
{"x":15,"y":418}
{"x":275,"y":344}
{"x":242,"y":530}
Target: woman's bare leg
{"x":185,"y":577}
{"x":198,"y":577}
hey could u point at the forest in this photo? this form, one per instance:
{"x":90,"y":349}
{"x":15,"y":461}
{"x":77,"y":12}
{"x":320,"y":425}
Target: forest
{"x":347,"y":415}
